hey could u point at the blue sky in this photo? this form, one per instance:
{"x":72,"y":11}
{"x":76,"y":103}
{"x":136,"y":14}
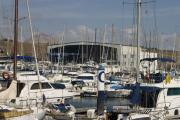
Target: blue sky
{"x":50,"y":16}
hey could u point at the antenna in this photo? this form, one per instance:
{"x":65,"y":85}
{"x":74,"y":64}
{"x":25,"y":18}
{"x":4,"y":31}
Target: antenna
{"x":144,"y":2}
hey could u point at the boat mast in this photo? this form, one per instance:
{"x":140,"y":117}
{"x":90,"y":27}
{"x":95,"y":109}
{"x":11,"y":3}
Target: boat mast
{"x":62,"y":70}
{"x":15,"y":39}
{"x":82,"y":48}
{"x":138,"y":37}
{"x":33,"y":43}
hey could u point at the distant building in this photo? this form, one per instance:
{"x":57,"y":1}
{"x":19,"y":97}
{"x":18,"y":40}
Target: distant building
{"x":81,"y":52}
{"x":128,"y":56}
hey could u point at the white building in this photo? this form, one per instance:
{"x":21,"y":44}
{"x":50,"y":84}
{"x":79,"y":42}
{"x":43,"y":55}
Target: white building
{"x":127,"y":56}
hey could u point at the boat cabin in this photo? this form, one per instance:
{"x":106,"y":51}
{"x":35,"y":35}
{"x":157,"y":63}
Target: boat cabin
{"x":159,"y":96}
{"x":29,"y":87}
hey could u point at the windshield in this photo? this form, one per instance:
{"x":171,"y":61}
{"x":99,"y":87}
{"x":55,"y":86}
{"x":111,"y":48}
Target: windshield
{"x":58,"y":86}
{"x":44,"y":85}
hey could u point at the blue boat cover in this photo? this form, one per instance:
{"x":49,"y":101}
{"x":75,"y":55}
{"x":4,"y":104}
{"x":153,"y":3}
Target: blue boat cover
{"x":117,"y":87}
{"x":26,"y":58}
{"x":136,"y":95}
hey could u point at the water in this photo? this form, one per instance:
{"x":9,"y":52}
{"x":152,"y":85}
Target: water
{"x":91,"y":102}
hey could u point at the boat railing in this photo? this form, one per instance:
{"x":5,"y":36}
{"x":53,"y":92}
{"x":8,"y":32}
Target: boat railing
{"x":24,"y":102}
{"x":163,"y":104}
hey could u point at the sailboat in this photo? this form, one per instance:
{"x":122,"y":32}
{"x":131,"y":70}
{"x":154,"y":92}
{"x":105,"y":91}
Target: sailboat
{"x":8,"y":97}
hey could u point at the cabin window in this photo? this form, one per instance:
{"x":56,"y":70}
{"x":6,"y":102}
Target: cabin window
{"x":43,"y":85}
{"x":35,"y":86}
{"x":20,"y":86}
{"x":58,"y":86}
{"x":173,"y":91}
{"x":144,"y":118}
{"x":85,"y":77}
{"x":2,"y":67}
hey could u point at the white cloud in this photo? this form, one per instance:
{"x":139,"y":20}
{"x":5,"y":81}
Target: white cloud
{"x":80,"y":33}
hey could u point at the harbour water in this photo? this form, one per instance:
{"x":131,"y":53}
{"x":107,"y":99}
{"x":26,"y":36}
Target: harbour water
{"x":91,"y":102}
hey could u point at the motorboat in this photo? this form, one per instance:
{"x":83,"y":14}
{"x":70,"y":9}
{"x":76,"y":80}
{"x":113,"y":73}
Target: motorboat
{"x":30,"y":88}
{"x":88,"y":78}
{"x":156,"y":101}
{"x":117,"y":90}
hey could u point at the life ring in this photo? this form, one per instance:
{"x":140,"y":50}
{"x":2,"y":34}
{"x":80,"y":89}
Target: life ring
{"x":6,"y":75}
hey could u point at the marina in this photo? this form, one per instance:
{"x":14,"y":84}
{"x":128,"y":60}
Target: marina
{"x":118,"y":72}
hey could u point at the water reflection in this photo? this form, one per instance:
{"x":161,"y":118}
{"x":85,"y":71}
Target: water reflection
{"x":89,"y":102}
